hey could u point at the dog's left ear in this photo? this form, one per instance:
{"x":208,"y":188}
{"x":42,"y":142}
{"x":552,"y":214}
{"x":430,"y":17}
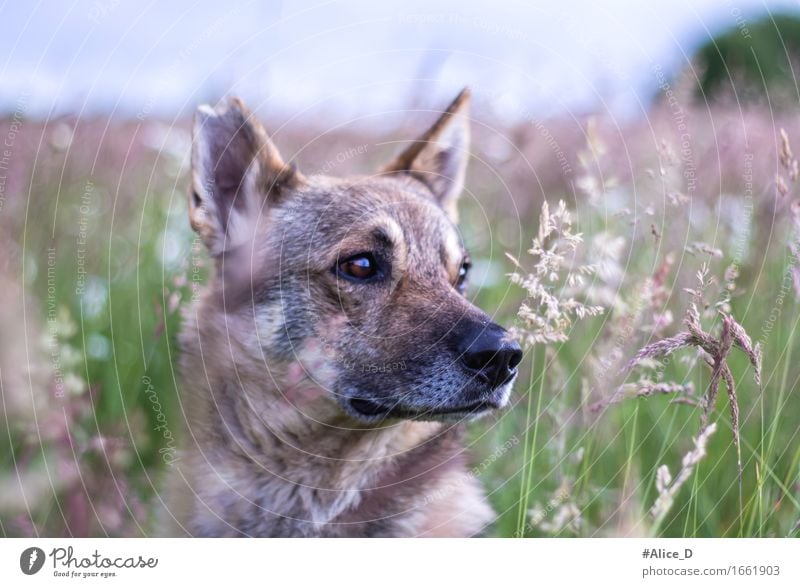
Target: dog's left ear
{"x":439,"y":157}
{"x":236,"y":172}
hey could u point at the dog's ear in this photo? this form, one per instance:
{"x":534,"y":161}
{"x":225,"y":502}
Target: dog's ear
{"x":235,"y":166}
{"x":439,"y":157}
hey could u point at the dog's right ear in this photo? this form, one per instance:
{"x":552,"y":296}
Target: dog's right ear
{"x":439,"y":157}
{"x":236,"y":171}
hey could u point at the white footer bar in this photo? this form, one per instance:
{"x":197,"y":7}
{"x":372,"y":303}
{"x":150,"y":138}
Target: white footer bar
{"x":386,"y":563}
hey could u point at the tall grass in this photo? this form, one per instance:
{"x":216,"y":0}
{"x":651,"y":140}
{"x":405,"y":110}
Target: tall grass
{"x":628,"y":432}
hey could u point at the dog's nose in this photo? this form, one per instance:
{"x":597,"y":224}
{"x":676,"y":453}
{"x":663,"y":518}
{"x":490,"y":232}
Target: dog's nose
{"x":490,"y":354}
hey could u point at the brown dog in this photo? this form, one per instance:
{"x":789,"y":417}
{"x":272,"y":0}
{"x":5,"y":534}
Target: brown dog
{"x":330,"y":361}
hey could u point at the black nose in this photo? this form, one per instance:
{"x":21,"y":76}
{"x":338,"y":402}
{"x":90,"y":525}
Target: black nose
{"x":488,"y":352}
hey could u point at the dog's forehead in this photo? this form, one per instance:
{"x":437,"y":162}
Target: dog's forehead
{"x":401,"y":210}
{"x":409,"y":215}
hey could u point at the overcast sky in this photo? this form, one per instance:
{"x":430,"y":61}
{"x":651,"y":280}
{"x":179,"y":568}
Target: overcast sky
{"x":151,"y":58}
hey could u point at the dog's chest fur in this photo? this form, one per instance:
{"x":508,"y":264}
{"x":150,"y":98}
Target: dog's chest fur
{"x":410,"y":479}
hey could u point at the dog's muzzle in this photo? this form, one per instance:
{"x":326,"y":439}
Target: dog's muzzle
{"x":487,"y":360}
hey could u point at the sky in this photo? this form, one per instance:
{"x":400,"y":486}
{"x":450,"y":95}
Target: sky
{"x":355,"y":58}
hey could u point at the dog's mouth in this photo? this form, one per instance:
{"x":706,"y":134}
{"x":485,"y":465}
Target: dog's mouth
{"x":374,"y":410}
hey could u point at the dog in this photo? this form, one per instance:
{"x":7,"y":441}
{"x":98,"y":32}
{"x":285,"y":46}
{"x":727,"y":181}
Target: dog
{"x":332,"y":359}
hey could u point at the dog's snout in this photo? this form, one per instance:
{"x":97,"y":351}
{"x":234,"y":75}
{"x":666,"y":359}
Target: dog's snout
{"x":491,"y":355}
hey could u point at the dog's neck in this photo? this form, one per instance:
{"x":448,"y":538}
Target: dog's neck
{"x":319,"y":464}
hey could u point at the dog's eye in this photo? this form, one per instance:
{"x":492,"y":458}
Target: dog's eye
{"x":359,"y":267}
{"x":462,"y":275}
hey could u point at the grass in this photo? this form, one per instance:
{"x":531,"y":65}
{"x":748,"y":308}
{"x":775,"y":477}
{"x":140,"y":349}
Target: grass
{"x":84,"y":452}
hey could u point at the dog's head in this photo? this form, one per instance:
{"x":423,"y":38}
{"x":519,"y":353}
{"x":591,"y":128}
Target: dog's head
{"x":358,"y":283}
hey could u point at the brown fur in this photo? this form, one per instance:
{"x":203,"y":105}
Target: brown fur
{"x":280,"y":348}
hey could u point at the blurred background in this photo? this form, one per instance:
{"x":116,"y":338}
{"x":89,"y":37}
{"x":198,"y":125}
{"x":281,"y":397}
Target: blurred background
{"x":658,"y":124}
{"x":352,"y":59}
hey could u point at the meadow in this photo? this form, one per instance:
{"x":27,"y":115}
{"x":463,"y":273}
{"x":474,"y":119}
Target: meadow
{"x":649,"y":266}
